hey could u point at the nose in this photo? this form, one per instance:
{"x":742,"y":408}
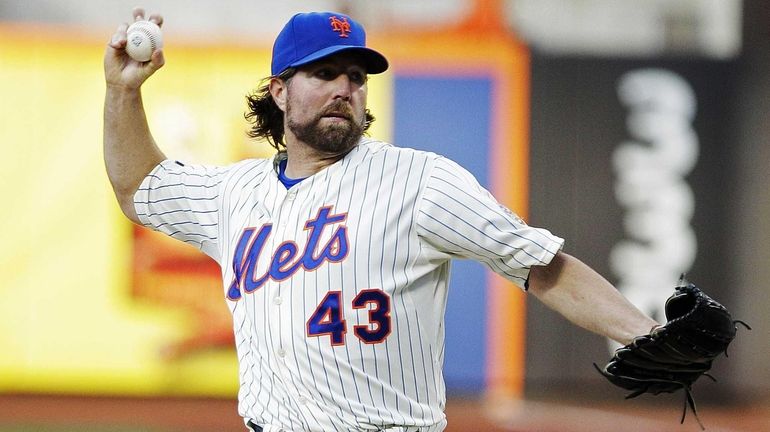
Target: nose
{"x":342,"y":87}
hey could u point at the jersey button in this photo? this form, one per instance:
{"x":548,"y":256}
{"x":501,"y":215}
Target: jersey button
{"x":291,"y":195}
{"x":277,"y":300}
{"x":302,"y":400}
{"x":281,"y":352}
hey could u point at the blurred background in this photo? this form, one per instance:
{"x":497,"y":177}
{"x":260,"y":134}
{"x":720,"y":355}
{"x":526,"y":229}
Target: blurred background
{"x":635,"y":130}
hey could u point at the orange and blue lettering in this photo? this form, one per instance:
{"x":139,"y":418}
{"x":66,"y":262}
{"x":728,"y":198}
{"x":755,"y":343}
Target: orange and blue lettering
{"x":286,"y":259}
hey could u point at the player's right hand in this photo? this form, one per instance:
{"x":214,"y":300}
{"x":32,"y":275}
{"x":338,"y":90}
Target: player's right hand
{"x":120,"y":70}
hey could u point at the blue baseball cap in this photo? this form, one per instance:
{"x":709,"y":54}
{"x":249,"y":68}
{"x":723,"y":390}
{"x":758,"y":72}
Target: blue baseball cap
{"x":308,"y":37}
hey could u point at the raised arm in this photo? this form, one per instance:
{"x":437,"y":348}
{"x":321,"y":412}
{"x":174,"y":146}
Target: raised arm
{"x":130,"y":152}
{"x":581,"y":295}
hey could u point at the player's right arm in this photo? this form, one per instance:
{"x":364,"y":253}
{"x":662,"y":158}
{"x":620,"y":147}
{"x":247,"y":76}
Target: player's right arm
{"x":130,"y":152}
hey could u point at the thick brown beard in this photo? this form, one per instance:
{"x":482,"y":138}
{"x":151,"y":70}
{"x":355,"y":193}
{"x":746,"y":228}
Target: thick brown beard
{"x":333,"y":139}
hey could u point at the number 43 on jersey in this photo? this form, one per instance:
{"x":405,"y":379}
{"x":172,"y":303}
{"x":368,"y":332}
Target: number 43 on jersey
{"x":328,"y":318}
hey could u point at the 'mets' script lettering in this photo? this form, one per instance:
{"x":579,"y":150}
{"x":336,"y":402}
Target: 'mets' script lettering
{"x":287,"y":259}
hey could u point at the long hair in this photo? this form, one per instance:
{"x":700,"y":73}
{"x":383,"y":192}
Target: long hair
{"x":267,"y":119}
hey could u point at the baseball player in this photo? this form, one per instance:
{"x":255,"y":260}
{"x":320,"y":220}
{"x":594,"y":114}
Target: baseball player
{"x":335,"y":253}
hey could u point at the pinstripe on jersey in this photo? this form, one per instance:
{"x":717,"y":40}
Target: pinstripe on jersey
{"x":332,"y":342}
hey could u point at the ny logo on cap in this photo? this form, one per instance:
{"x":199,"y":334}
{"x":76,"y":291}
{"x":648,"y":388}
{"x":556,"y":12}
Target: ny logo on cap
{"x":340,"y":25}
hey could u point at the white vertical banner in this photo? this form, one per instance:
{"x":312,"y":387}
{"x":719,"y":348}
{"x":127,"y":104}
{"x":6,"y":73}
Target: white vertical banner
{"x":651,"y":169}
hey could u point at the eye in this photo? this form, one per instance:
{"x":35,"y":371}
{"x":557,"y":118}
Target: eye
{"x":325,"y":73}
{"x":358,"y":77}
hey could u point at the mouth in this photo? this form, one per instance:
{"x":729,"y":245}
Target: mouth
{"x":335,"y":115}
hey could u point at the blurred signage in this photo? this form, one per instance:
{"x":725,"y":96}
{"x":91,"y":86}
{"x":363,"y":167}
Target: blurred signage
{"x":651,"y":169}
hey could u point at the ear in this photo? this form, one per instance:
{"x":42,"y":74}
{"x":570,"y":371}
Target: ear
{"x":278,"y":88}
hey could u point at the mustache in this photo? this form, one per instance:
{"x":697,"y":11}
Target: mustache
{"x":339,"y":109}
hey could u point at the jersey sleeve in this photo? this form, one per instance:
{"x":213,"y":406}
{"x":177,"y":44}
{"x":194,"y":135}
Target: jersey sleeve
{"x":184,"y":202}
{"x":460,"y":218}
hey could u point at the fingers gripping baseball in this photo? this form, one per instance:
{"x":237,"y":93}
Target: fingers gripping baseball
{"x":119,"y":67}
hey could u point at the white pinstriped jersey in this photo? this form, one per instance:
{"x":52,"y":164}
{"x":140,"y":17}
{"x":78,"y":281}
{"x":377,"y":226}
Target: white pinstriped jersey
{"x":338,"y":285}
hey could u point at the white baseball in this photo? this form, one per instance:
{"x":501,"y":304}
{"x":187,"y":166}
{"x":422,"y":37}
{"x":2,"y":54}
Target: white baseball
{"x":144,"y":37}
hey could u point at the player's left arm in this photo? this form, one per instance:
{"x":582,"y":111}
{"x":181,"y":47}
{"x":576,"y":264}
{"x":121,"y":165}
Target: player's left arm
{"x":580,"y":294}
